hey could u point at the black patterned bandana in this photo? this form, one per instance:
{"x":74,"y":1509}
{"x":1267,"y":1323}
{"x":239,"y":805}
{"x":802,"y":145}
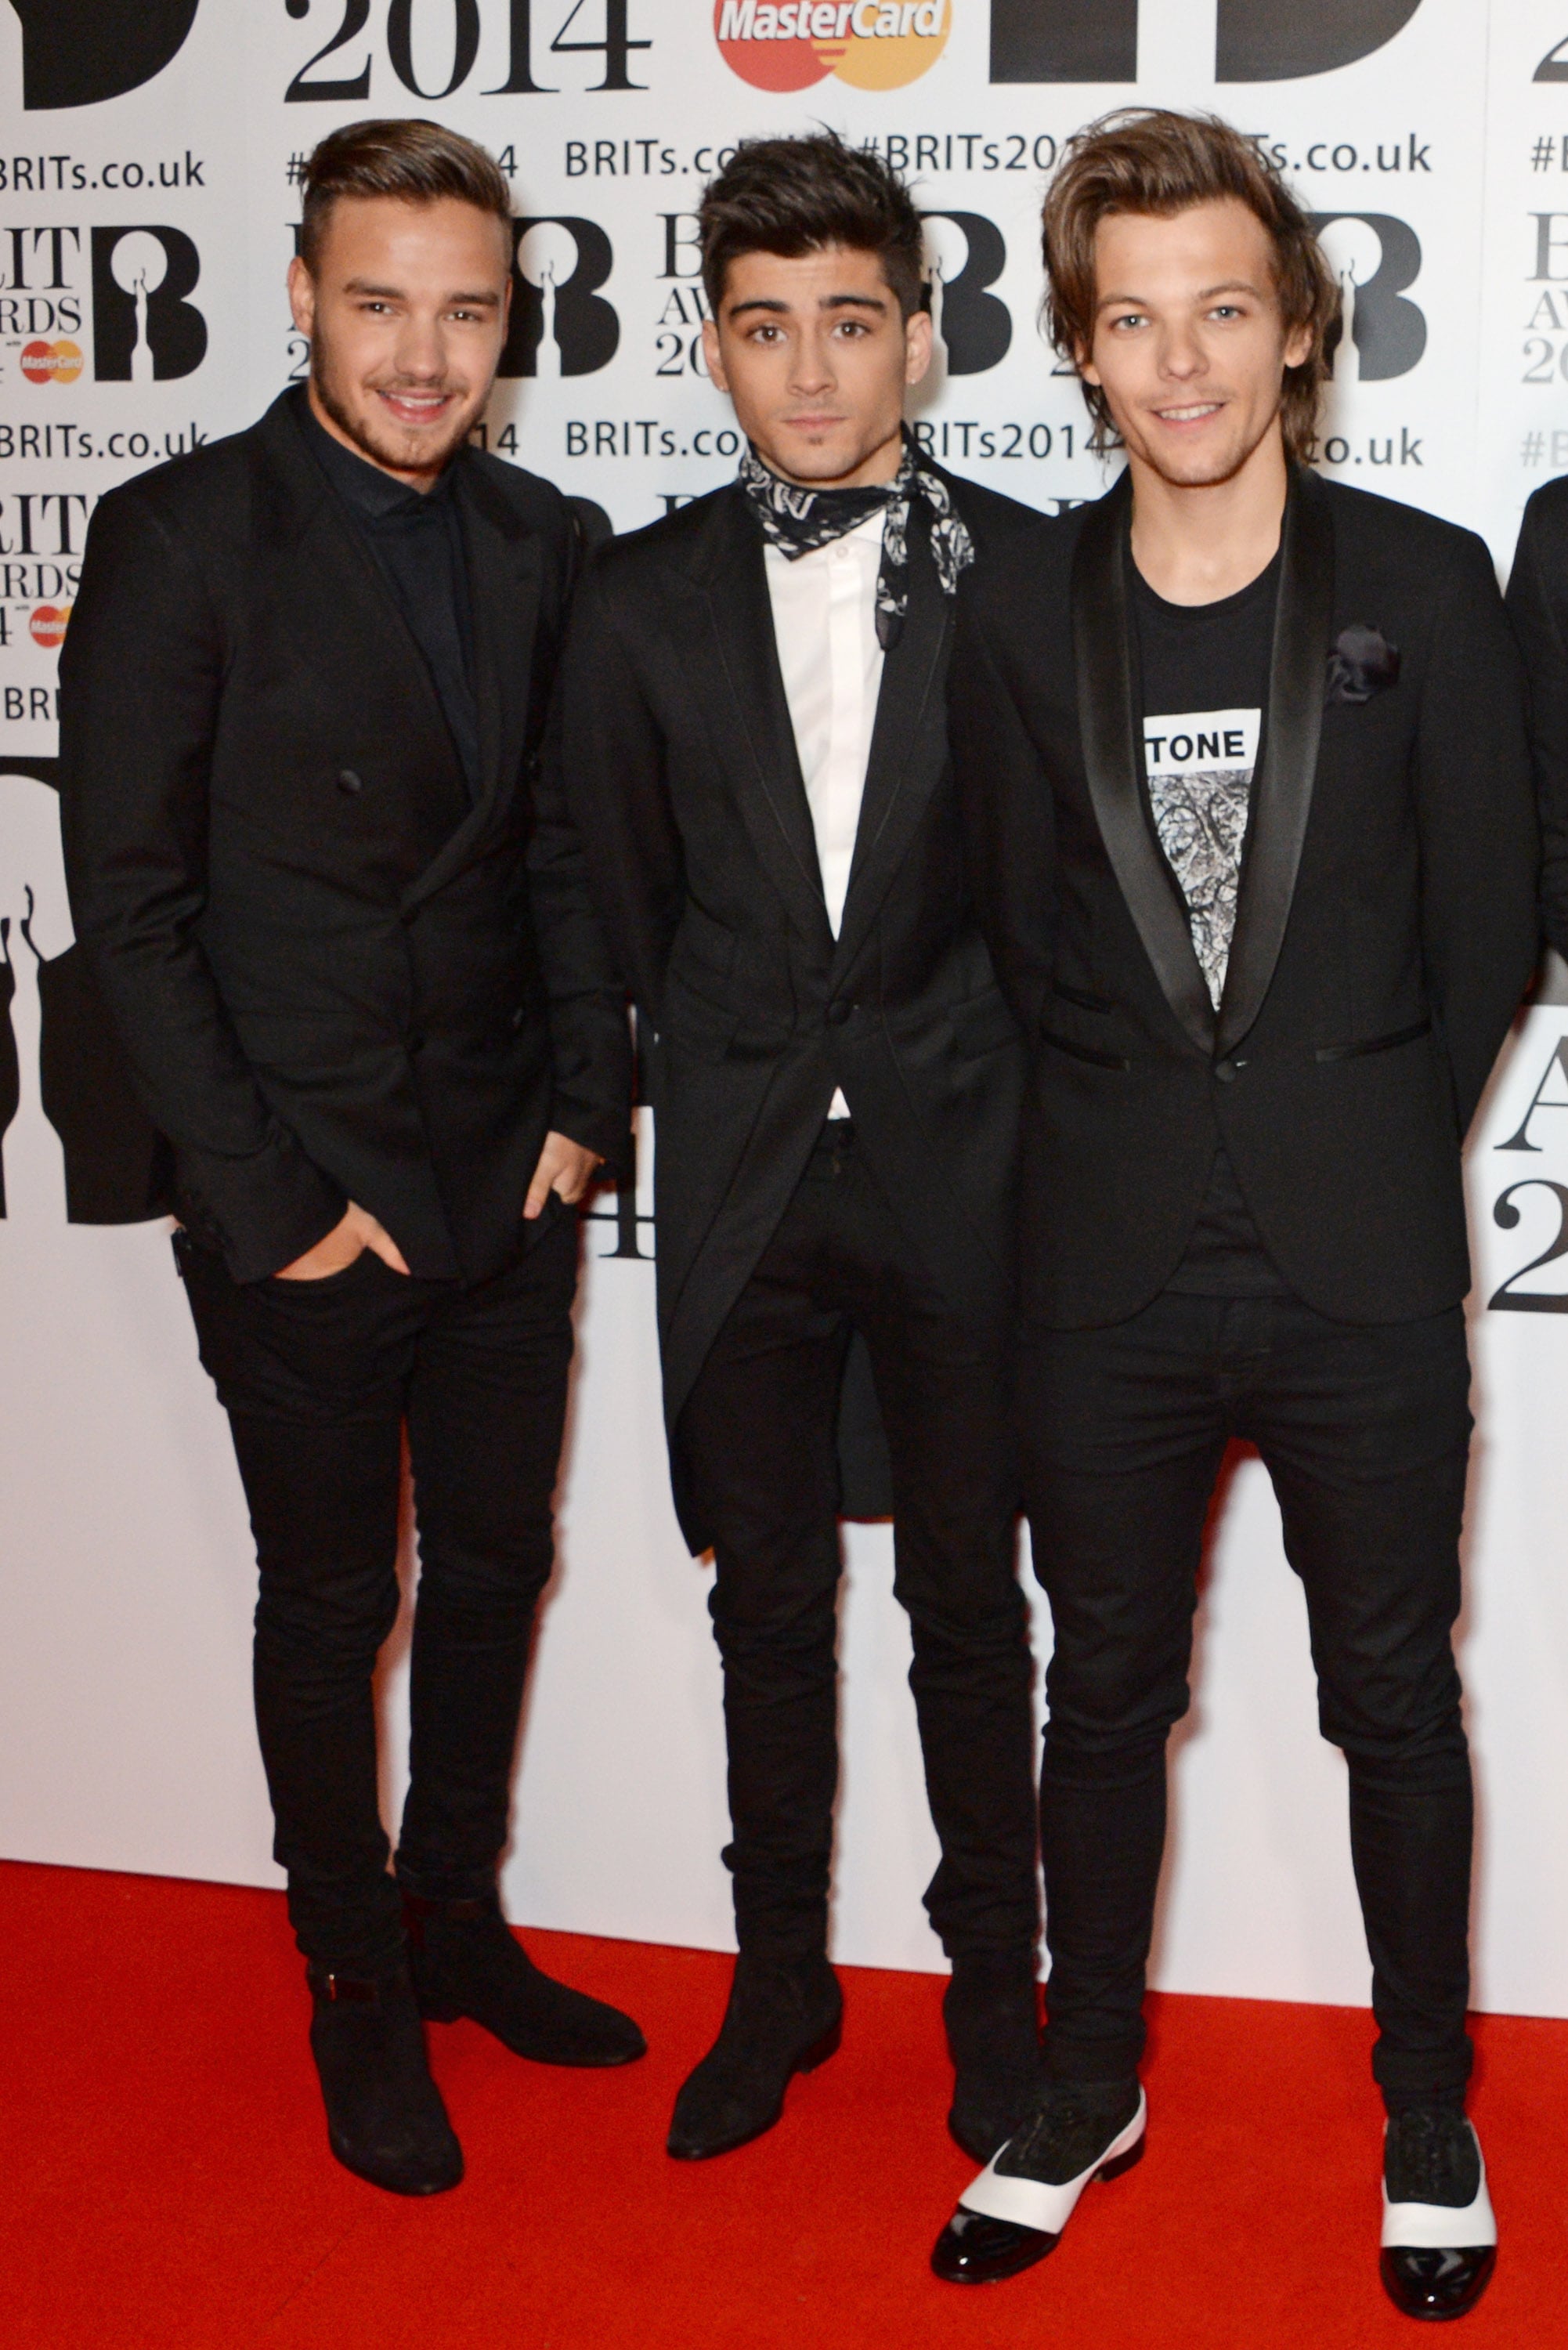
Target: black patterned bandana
{"x":799,"y":521}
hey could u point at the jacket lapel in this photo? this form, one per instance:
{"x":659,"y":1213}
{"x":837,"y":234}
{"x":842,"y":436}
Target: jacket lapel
{"x":908,"y":751}
{"x":1287,"y":765}
{"x":1102,"y":643}
{"x":345,"y":585}
{"x":745,"y":704}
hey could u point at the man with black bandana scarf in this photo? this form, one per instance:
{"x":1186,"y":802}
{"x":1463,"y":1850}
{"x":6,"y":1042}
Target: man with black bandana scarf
{"x":754,"y":736}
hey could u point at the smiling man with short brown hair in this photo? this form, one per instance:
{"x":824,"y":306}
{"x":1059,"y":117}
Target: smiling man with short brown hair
{"x":345,"y":932}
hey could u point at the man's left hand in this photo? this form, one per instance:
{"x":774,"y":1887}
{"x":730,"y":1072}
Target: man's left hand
{"x":566,"y":1166}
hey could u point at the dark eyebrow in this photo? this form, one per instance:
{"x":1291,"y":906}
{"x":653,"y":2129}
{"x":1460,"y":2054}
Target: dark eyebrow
{"x":829,"y":302}
{"x":396,"y":294}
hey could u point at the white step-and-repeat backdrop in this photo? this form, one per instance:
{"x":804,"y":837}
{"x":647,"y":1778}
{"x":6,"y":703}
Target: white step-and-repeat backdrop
{"x":148,"y":157}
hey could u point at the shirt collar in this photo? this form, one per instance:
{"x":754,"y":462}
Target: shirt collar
{"x":370,"y":491}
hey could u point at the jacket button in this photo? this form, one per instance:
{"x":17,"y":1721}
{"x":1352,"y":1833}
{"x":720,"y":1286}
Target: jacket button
{"x":1226,"y":1070}
{"x":348,"y":781}
{"x":519,"y":1016}
{"x":839,"y":1013}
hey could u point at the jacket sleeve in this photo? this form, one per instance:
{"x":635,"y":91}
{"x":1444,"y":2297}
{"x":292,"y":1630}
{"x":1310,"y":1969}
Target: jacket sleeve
{"x":142,"y":678}
{"x":612,"y":756}
{"x":590,"y":1036}
{"x":1538,"y":616}
{"x":1480,"y":840}
{"x":1008,"y":819}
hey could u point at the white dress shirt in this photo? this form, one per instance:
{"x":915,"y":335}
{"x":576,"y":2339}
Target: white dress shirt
{"x":825,"y":623}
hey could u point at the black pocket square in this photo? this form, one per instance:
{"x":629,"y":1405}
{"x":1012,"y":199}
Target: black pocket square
{"x":1362,"y":663}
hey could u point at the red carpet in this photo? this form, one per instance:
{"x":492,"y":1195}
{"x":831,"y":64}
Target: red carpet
{"x":167,"y":2184}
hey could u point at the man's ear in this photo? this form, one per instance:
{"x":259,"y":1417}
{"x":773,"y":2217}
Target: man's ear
{"x":916,"y":345}
{"x":1087,"y":371}
{"x":711,"y":359}
{"x":302,"y":296}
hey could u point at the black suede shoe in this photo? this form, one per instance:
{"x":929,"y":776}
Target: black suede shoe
{"x":1439,"y":2237}
{"x":466,"y":1960}
{"x":1014,"y":2212}
{"x":385,"y":2118}
{"x":992,"y":2011}
{"x":785,"y":2017}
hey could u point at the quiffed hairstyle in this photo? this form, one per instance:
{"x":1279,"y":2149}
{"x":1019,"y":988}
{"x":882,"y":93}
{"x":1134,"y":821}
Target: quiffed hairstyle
{"x":792,"y":196}
{"x":417,"y":160}
{"x":1146,"y":160}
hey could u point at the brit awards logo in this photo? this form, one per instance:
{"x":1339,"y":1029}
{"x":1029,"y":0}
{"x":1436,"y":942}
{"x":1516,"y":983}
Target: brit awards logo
{"x":870,"y":44}
{"x":561,"y":325}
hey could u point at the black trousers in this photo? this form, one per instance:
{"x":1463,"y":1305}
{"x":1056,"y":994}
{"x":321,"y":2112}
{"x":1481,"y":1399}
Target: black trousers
{"x":1364,"y":1432}
{"x":759,"y":1429}
{"x":319,"y":1380}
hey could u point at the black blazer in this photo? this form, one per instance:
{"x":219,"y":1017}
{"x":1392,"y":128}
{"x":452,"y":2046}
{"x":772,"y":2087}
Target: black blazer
{"x":681,"y":765}
{"x":337,"y":977}
{"x":1385,"y":928}
{"x":1538,"y":606}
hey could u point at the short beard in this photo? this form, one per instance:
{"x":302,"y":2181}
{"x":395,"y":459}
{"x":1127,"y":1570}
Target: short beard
{"x":386,"y":454}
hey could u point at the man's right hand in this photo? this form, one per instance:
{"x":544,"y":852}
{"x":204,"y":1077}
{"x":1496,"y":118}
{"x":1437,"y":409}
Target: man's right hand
{"x":357,"y":1231}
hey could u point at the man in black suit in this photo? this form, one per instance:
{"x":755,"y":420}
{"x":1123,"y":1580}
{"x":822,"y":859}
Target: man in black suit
{"x":753,"y":735}
{"x":1247,"y":798}
{"x":345,"y":934}
{"x":1538,"y":606}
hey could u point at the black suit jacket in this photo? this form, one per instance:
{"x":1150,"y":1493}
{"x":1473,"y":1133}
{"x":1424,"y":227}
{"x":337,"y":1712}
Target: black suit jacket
{"x":1538,"y":605}
{"x":681,"y":764}
{"x":1385,"y":927}
{"x":336,"y":975}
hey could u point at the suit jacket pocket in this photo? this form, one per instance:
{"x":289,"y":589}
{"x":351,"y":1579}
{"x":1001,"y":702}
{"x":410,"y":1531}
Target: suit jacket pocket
{"x":1388,"y":1044}
{"x":1089,"y":1053}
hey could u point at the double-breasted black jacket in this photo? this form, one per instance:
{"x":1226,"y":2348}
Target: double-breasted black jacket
{"x":339,"y":975}
{"x":680,"y":761}
{"x":1385,"y":926}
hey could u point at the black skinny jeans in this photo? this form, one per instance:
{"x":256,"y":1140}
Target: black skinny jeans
{"x":319,"y":1380}
{"x":1366,"y":1433}
{"x":760,"y":1430}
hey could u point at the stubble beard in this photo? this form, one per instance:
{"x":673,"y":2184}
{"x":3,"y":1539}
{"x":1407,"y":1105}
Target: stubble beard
{"x":401,"y":453}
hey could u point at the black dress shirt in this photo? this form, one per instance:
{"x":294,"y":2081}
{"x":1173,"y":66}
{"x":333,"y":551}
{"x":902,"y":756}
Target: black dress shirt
{"x":416,"y":538}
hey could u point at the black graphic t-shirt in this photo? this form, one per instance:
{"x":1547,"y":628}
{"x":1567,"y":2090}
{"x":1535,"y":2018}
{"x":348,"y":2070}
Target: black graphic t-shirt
{"x":1204,"y":671}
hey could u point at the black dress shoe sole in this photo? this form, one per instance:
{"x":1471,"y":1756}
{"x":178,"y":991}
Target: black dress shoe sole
{"x":817,"y":2053}
{"x":393,"y":2182}
{"x":1406,"y":2296}
{"x":1013,"y":2248}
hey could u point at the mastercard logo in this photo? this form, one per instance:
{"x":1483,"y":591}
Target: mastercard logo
{"x":51,"y":362}
{"x":48,"y":625}
{"x":871,"y":43}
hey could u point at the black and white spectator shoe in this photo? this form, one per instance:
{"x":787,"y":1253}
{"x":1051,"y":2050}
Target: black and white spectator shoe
{"x":1439,"y":2237}
{"x":1014,"y":2212}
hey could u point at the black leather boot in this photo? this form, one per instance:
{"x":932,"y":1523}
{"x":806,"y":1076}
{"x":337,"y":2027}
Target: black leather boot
{"x":385,"y":2118}
{"x":785,"y":2017}
{"x":992,"y":2011}
{"x":466,"y":1960}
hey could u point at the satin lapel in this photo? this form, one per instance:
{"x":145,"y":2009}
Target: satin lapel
{"x":908,"y":751}
{"x":748,"y":711}
{"x":1102,"y":643}
{"x":1282,"y":786}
